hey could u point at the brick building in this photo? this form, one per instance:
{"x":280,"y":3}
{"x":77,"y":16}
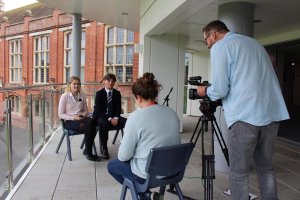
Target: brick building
{"x":35,"y":48}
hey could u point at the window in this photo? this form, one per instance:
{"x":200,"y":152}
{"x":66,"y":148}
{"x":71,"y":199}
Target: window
{"x":119,"y":73}
{"x":119,"y":53}
{"x":128,"y":74}
{"x":129,"y":54}
{"x":15,"y":104}
{"x":38,"y":108}
{"x":110,"y":36}
{"x":110,"y":55}
{"x":120,"y":35}
{"x":41,"y":59}
{"x":130,"y":36}
{"x":68,"y":56}
{"x":15,"y":61}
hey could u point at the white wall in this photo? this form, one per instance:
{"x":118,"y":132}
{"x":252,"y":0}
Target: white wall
{"x":199,"y":66}
{"x":164,"y":56}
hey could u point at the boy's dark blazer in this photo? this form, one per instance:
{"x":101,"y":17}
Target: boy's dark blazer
{"x":100,"y":106}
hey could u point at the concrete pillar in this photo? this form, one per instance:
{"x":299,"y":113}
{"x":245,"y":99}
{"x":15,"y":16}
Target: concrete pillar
{"x":76,"y":45}
{"x":239,"y":18}
{"x":164,"y":56}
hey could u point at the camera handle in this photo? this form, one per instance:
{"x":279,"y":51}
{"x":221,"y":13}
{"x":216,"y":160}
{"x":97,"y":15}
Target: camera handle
{"x":166,"y":100}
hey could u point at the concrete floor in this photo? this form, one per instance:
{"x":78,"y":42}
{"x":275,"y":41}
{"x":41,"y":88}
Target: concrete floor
{"x":55,"y":177}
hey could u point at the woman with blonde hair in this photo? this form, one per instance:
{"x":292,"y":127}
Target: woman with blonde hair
{"x":73,"y":110}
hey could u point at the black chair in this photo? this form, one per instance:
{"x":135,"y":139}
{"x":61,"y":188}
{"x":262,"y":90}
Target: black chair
{"x":168,"y":162}
{"x":69,"y":133}
{"x":116,"y":129}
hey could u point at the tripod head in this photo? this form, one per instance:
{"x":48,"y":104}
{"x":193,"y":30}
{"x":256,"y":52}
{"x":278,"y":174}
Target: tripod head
{"x":208,"y":107}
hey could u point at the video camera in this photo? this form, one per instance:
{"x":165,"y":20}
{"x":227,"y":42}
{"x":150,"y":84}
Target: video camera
{"x":196,"y":81}
{"x":207,"y":106}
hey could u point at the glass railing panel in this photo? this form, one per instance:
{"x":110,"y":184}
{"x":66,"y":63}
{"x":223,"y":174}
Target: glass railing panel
{"x":58,"y":90}
{"x":27,"y":138}
{"x":38,"y":133}
{"x":20,"y":127}
{"x":48,"y":111}
{"x":3,"y":155}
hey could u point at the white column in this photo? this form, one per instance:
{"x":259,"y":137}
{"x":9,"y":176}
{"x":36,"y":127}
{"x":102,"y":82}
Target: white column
{"x":76,"y":45}
{"x":164,"y":57}
{"x":239,"y":18}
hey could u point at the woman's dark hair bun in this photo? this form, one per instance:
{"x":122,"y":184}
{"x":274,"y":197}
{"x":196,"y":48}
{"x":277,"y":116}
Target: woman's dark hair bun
{"x":147,"y":86}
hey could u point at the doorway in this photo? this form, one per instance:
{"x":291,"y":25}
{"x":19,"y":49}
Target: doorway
{"x":286,"y":61}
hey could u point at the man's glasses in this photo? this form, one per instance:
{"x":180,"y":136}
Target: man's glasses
{"x":207,"y":37}
{"x":205,"y":42}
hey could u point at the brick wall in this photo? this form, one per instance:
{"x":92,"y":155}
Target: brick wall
{"x":56,"y":24}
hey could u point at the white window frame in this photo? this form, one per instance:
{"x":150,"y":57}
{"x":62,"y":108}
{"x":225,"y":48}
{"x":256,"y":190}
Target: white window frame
{"x":41,"y":51}
{"x":15,"y":61}
{"x":113,"y":66}
{"x":68,"y":48}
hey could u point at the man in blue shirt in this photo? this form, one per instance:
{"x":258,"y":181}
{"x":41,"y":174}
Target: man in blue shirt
{"x":243,"y":77}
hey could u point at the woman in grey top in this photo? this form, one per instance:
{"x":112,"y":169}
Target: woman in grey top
{"x":150,"y":126}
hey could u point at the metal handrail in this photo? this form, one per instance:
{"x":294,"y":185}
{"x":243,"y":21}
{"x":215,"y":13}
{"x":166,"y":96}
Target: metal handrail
{"x":13,"y":88}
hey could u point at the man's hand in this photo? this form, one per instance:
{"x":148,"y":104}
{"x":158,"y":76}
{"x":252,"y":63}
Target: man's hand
{"x":201,"y":91}
{"x":114,"y":121}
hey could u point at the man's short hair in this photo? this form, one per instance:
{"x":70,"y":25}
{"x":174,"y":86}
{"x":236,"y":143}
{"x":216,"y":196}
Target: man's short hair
{"x":216,"y":25}
{"x":109,"y":77}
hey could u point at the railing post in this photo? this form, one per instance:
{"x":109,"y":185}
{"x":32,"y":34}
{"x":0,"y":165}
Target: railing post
{"x":30,"y":125}
{"x":51,"y":110}
{"x":44,"y":117}
{"x":9,"y":144}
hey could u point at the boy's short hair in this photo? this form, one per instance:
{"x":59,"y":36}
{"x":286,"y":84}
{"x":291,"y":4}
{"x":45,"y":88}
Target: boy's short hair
{"x":110,"y":77}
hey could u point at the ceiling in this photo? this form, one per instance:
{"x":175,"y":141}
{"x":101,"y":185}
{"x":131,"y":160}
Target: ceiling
{"x":277,"y":16}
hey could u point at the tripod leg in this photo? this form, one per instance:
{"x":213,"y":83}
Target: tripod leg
{"x":221,"y":140}
{"x":194,"y":133}
{"x":208,"y":174}
{"x":208,"y":189}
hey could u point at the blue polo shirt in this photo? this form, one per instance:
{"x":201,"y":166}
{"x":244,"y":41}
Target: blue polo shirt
{"x":243,"y":77}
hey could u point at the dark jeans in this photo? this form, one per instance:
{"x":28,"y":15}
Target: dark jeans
{"x":105,"y":126}
{"x":87,"y":126}
{"x":121,"y":170}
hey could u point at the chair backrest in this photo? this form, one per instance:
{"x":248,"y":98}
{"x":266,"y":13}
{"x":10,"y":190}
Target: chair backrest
{"x":166,"y":165}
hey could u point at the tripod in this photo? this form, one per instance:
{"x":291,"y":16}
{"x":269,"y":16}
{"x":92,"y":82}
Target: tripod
{"x":208,"y":161}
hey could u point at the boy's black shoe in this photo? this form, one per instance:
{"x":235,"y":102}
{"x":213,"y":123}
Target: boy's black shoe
{"x":105,"y":154}
{"x":92,"y":157}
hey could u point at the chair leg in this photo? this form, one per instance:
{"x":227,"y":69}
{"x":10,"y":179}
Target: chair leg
{"x":59,"y":144}
{"x":94,"y":148}
{"x":69,"y":148}
{"x":131,"y":186}
{"x":115,"y":137}
{"x":178,"y":190}
{"x":82,"y":143}
{"x":162,"y":192}
{"x":100,"y":145}
{"x":123,"y":193}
